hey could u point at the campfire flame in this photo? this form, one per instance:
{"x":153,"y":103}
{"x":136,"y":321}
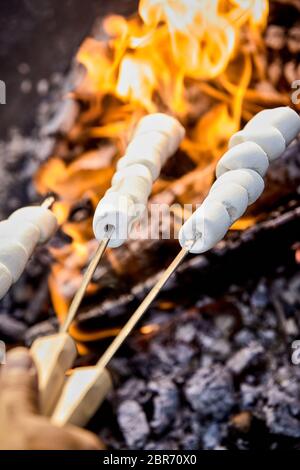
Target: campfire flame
{"x":198,"y":60}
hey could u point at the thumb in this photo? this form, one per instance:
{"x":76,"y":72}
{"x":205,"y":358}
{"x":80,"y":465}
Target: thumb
{"x":18,"y":383}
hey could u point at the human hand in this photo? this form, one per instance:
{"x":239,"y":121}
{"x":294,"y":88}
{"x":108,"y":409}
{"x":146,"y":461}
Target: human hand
{"x":21,"y":425}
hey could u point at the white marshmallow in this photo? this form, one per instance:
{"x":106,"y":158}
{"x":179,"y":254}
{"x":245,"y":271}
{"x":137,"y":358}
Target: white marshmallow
{"x":134,"y":187}
{"x":133,"y":170}
{"x":245,"y":155}
{"x":164,"y":124}
{"x":39,"y":216}
{"x":26,"y":234}
{"x":164,"y":144}
{"x":154,"y":141}
{"x":206,"y":227}
{"x":250,"y":180}
{"x":115,"y":210}
{"x":233,"y":196}
{"x":150,"y":158}
{"x":284,"y":119}
{"x":14,"y":257}
{"x":267,"y":137}
{"x":5,"y":280}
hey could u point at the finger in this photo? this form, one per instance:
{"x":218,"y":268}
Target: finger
{"x":18,"y":383}
{"x":83,"y":439}
{"x":41,"y":435}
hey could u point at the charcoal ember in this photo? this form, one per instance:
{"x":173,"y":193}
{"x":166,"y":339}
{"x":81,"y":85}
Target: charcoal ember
{"x":226,"y":324}
{"x":185,"y":333}
{"x":210,"y":391}
{"x":165,"y":403}
{"x":249,"y":318}
{"x":250,"y":395}
{"x":190,"y":442}
{"x":172,"y":359}
{"x":245,"y":358}
{"x":217,"y":347}
{"x":241,"y":421}
{"x":282,"y":412}
{"x":243,"y":337}
{"x":135,"y":389}
{"x":260,"y":296}
{"x":212,"y":436}
{"x":162,"y":445}
{"x":267,"y":337}
{"x":11,"y":328}
{"x":133,"y":424}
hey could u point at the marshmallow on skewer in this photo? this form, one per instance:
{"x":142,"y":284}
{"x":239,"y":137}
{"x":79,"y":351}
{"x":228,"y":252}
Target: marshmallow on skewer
{"x":149,"y":157}
{"x":124,"y":203}
{"x":163,"y":124}
{"x":42,"y":218}
{"x":267,"y":137}
{"x":243,"y":165}
{"x":6,"y":280}
{"x":118,"y":211}
{"x":245,"y":155}
{"x":284,"y":119}
{"x":250,"y":180}
{"x":135,"y":187}
{"x":133,"y":170}
{"x":207,"y":226}
{"x":26,"y":233}
{"x":233,"y":197}
{"x":14,"y":257}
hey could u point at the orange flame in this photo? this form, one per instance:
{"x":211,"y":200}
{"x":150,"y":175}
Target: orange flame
{"x":195,"y":59}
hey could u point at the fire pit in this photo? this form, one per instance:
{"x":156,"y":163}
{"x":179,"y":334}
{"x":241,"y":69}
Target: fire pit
{"x":211,"y":365}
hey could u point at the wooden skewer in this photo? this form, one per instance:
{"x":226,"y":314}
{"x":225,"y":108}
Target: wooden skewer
{"x":55,"y":354}
{"x":87,"y":387}
{"x":85,"y":281}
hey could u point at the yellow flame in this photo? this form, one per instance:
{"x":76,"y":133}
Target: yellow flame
{"x":194,"y":59}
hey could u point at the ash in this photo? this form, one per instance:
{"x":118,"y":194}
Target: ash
{"x":215,"y":376}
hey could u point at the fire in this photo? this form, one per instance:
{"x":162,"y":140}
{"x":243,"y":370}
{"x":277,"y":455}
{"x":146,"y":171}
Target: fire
{"x":196,"y":59}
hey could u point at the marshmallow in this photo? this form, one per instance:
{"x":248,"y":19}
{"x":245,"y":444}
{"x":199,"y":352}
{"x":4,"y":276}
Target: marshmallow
{"x":206,"y":227}
{"x":245,"y":155}
{"x":234,"y":198}
{"x":14,"y":257}
{"x":250,"y":180}
{"x":284,"y":119}
{"x":267,"y":137}
{"x":149,"y":157}
{"x":5,"y":280}
{"x":153,"y":140}
{"x":164,"y":124}
{"x":26,"y":234}
{"x":118,"y":211}
{"x":39,"y":216}
{"x":133,"y":170}
{"x":134,"y":187}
